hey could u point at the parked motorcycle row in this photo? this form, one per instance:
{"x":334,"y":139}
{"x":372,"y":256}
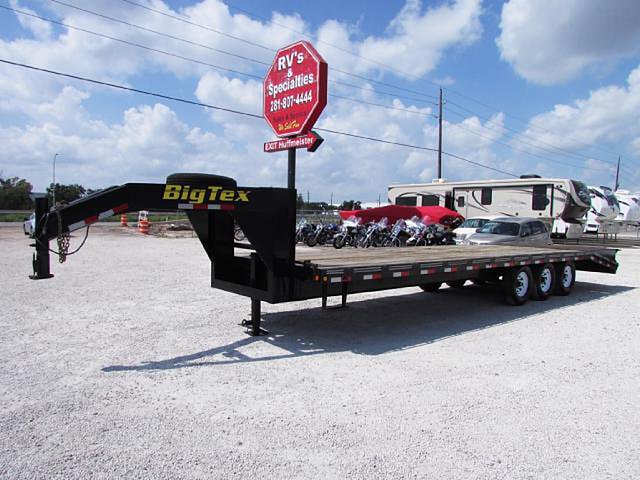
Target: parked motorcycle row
{"x":352,"y":233}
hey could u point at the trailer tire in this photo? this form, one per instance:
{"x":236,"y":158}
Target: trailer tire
{"x":456,"y":283}
{"x":565,"y":278}
{"x":431,"y":287}
{"x":517,"y":285}
{"x":544,"y":281}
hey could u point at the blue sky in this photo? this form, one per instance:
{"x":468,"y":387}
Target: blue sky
{"x":531,"y":87}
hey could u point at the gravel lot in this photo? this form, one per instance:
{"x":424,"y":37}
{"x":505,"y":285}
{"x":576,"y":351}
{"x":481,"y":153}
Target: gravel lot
{"x":128,"y":365}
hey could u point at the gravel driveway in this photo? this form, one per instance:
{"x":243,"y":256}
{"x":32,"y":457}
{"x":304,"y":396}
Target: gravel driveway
{"x":128,"y":365}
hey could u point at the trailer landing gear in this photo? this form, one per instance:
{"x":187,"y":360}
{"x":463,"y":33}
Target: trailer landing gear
{"x":253,"y":326}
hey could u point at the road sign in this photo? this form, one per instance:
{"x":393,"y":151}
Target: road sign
{"x":295,"y":90}
{"x":311,"y":141}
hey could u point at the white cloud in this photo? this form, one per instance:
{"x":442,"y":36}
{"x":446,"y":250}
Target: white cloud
{"x":553,"y":41}
{"x":609,"y":114}
{"x":414,"y":42}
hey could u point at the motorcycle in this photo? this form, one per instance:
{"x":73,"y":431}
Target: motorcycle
{"x":397,"y":232}
{"x":350,"y":231}
{"x":376,"y":234}
{"x":322,"y":234}
{"x":303,"y":230}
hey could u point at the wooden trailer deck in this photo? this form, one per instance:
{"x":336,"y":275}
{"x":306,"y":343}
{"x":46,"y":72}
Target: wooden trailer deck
{"x":330,"y":259}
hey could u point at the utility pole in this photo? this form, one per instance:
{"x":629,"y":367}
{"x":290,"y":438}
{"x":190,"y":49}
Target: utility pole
{"x":54,"y":179}
{"x":307,"y":197}
{"x":440,"y":137}
{"x":331,"y":201}
{"x":617,"y":175}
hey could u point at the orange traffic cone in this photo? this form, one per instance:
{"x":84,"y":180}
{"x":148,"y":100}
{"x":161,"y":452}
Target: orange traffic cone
{"x":123,"y":221}
{"x":143,"y":226}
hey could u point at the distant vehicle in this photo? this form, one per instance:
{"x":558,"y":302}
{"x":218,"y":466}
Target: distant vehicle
{"x":470,"y":226}
{"x":29,"y":224}
{"x":548,"y":199}
{"x":509,"y":230}
{"x":604,"y":210}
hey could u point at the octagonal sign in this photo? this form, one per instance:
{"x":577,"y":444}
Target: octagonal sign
{"x":295,"y":90}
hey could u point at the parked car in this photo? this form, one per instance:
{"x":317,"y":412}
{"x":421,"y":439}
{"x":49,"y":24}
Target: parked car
{"x":510,"y":230}
{"x":470,"y":226}
{"x":29,"y":224}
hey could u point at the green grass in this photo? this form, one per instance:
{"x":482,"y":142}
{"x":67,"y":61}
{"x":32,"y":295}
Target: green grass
{"x":19,"y":217}
{"x":12,"y":217}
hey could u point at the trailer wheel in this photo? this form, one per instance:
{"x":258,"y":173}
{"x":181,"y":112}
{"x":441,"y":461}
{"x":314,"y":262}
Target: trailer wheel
{"x":431,"y":287}
{"x":456,"y":283}
{"x":517,"y":285}
{"x":544,"y":279}
{"x":565,"y":278}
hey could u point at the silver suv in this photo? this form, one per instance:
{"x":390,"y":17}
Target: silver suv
{"x":511,"y":230}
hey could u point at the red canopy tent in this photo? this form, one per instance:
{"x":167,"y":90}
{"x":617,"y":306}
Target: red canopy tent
{"x":440,"y":215}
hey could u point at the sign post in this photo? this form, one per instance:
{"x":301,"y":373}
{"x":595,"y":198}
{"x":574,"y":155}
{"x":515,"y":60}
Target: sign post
{"x":294,"y":95}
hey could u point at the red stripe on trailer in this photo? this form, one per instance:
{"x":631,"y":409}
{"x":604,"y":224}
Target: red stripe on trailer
{"x":372,"y":276}
{"x":428,"y":271}
{"x":120,"y":208}
{"x":227,"y":206}
{"x":450,"y":269}
{"x":400,"y":274}
{"x":200,"y":206}
{"x":90,"y":220}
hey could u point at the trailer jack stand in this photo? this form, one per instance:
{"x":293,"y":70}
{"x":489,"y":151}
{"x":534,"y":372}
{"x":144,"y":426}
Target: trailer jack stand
{"x":343,"y":303}
{"x":253,"y":326}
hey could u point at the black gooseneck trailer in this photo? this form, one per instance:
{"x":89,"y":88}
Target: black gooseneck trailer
{"x":271,"y":270}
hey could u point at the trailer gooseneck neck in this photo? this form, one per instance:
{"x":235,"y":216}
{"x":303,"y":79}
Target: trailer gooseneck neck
{"x":272,"y":272}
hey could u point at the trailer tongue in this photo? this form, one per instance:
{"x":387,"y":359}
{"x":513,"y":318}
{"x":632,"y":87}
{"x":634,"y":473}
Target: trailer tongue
{"x":272,"y":270}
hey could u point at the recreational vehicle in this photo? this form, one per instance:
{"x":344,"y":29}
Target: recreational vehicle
{"x":548,"y":199}
{"x":603,"y":212}
{"x":629,"y":207}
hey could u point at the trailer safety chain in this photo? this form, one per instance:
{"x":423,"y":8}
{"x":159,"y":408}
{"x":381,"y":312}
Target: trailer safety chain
{"x":64,"y":240}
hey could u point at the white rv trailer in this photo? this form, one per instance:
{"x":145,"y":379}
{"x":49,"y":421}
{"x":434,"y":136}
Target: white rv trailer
{"x":629,"y":207}
{"x":549,"y":199}
{"x":603,"y":212}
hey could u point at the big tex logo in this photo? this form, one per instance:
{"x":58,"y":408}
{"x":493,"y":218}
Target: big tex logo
{"x":202,"y":195}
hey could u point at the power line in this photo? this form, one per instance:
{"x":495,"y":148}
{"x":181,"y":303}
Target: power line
{"x":132,"y":44}
{"x":162,"y":34}
{"x":475,"y":132}
{"x":568,"y":152}
{"x":183,"y":19}
{"x":173,"y":37}
{"x":259,"y":78}
{"x":130,"y":89}
{"x":238,"y":112}
{"x":182,"y":57}
{"x":393,"y":69}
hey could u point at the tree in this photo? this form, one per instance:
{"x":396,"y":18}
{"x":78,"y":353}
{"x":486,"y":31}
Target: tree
{"x":350,"y":205}
{"x":14,"y":194}
{"x":66,"y":193}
